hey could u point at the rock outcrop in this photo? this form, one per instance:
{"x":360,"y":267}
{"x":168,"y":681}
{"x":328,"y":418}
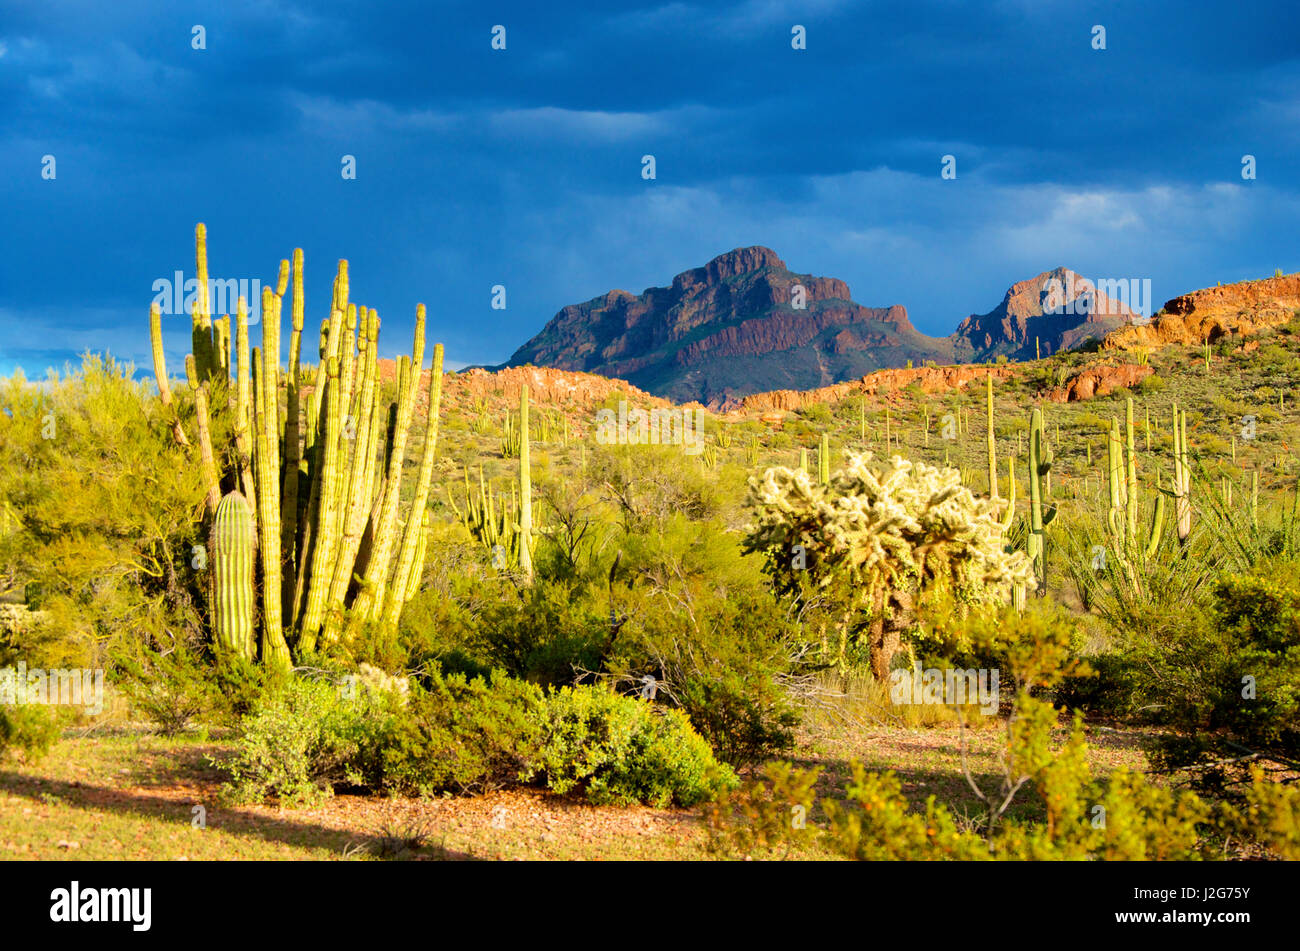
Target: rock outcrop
{"x":929,"y":379}
{"x":1099,"y":381}
{"x":1204,"y":316}
{"x":1057,"y":310}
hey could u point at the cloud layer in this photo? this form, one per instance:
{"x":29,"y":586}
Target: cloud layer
{"x":523,"y":167}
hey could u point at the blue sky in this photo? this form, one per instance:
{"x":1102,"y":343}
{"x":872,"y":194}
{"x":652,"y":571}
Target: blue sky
{"x":522,"y":167}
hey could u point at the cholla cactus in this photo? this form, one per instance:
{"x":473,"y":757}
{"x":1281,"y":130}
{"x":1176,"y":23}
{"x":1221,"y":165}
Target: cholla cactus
{"x":375,"y":681}
{"x":878,"y":534}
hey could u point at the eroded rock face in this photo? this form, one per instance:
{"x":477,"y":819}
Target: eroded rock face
{"x":577,"y":395}
{"x":1099,"y":381}
{"x":1054,"y":311}
{"x":729,"y":328}
{"x":1204,"y":316}
{"x":930,"y":380}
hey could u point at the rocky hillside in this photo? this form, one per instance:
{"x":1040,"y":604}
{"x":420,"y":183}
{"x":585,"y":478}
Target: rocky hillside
{"x":1054,"y":311}
{"x":1204,"y":316}
{"x":731,"y":328}
{"x":735,"y":327}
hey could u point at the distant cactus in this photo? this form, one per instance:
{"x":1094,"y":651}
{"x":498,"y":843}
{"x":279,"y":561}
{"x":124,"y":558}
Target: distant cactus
{"x":1182,"y":477}
{"x":1040,"y":463}
{"x":992,"y":441}
{"x":525,"y":491}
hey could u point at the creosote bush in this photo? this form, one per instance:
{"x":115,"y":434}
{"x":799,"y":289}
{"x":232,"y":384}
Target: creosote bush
{"x":461,"y":734}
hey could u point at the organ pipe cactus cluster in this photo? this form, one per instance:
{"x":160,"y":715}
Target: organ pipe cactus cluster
{"x":506,"y":531}
{"x":308,"y":535}
{"x":1122,"y":481}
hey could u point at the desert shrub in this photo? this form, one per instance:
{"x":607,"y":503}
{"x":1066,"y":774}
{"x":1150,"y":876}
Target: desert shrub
{"x":1151,"y":384}
{"x":100,"y":512}
{"x":28,"y":729}
{"x":875,"y":823}
{"x":767,"y":813}
{"x":621,"y":750}
{"x":1072,"y":814}
{"x":1107,"y":689}
{"x":169,"y":689}
{"x":1230,"y":680}
{"x":461,"y":734}
{"x":818,"y":414}
{"x":542,"y":633}
{"x":696,"y":615}
{"x":305,"y":738}
{"x":745,"y":717}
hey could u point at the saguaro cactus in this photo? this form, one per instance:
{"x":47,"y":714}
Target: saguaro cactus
{"x":1040,"y":463}
{"x":992,"y":442}
{"x":231,"y":544}
{"x":824,"y":460}
{"x":1182,"y":477}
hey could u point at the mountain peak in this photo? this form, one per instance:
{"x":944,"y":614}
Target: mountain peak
{"x":731,"y":264}
{"x":741,"y":322}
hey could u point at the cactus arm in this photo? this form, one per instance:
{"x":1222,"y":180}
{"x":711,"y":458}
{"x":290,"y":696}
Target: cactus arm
{"x":325,"y":515}
{"x":369,"y":599}
{"x":210,"y":478}
{"x":398,"y":592}
{"x":275,"y":652}
{"x":160,"y":375}
{"x":1131,"y":500}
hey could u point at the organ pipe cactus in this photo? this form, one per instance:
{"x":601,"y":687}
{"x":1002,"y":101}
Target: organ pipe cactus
{"x":525,"y":490}
{"x":326,"y":519}
{"x":1131,"y":490}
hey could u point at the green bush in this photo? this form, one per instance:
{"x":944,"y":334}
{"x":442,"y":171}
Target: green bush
{"x":462,"y":734}
{"x":30,"y":729}
{"x":305,"y":738}
{"x":309,"y":738}
{"x":623,"y":751}
{"x":1231,"y":684}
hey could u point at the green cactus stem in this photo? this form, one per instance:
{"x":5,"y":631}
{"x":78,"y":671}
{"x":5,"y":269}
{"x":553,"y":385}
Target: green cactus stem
{"x":231,"y":570}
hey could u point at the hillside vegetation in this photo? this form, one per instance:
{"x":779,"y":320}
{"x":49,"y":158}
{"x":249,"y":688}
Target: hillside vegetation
{"x":345,"y":577}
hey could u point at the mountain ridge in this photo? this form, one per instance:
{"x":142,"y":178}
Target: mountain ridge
{"x":744,"y":323}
